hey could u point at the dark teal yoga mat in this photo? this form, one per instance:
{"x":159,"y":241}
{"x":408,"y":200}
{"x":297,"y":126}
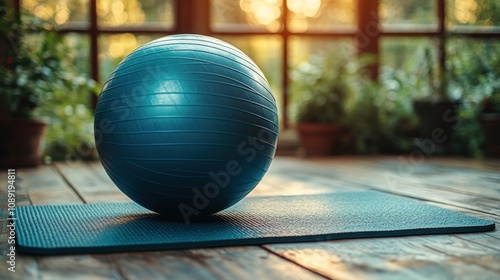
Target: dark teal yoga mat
{"x":105,"y":228}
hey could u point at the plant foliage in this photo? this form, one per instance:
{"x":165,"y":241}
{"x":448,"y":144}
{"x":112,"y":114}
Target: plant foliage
{"x":38,"y":79}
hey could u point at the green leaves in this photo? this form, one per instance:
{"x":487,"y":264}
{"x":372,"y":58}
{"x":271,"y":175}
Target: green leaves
{"x":337,"y":89}
{"x":43,"y":82}
{"x":323,"y":85}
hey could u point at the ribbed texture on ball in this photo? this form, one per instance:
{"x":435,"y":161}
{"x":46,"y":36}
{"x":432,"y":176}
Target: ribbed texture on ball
{"x":177,"y":115}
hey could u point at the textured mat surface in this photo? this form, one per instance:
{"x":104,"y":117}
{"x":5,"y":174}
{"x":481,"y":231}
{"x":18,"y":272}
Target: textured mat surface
{"x":102,"y":228}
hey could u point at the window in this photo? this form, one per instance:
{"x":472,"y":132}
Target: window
{"x":399,"y":33}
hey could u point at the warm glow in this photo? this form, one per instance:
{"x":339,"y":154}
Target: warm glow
{"x":59,"y":12}
{"x":62,"y":16}
{"x":268,"y":12}
{"x":116,"y":50}
{"x":122,"y":45}
{"x":43,"y":12}
{"x":298,"y":24}
{"x":304,"y":8}
{"x":263,"y":12}
{"x":128,"y":39}
{"x":465,"y":11}
{"x":120,"y":12}
{"x":30,"y":4}
{"x":117,"y":7}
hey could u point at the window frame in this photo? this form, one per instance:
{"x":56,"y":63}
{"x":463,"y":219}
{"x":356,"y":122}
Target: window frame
{"x":192,"y":16}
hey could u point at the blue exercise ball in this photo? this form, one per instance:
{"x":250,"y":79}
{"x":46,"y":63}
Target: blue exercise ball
{"x":186,"y":125}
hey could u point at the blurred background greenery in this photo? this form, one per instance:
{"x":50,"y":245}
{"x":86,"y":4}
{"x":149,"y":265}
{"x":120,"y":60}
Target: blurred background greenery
{"x":410,"y":49}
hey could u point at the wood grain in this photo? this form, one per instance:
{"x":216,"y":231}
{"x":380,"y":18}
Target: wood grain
{"x":248,"y":262}
{"x":438,"y":257}
{"x":468,"y":186}
{"x":45,"y":186}
{"x":416,"y":184}
{"x":423,"y":257}
{"x":90,"y":185}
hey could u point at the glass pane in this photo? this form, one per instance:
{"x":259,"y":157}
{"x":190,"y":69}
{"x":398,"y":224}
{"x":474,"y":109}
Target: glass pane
{"x":61,"y":11}
{"x":80,"y":51}
{"x":307,"y":55}
{"x":317,"y":15}
{"x":473,"y":67}
{"x":246,"y":14}
{"x":473,"y":12}
{"x":413,"y":62}
{"x":408,"y":14}
{"x":113,"y":48}
{"x":75,"y":53}
{"x":265,"y":51}
{"x":134,"y":12}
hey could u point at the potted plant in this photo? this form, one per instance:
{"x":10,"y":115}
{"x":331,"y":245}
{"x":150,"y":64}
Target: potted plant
{"x":434,"y":108}
{"x":379,"y":113}
{"x":341,"y":102}
{"x":473,"y":77}
{"x":34,"y":72}
{"x":322,"y":87}
{"x":23,"y":133}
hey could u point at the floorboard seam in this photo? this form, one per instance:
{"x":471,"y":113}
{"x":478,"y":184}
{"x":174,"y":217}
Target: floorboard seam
{"x":295,"y":263}
{"x":117,"y":267}
{"x":69,"y":183}
{"x":481,"y":244}
{"x":434,"y":201}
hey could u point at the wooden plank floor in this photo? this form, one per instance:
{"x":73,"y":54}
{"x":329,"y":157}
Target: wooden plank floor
{"x":465,"y":185}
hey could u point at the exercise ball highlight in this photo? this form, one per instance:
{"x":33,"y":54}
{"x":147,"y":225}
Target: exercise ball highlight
{"x":186,"y":125}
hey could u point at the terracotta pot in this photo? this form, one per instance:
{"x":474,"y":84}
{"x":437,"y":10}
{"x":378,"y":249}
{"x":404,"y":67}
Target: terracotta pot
{"x":317,"y":139}
{"x":20,"y":145}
